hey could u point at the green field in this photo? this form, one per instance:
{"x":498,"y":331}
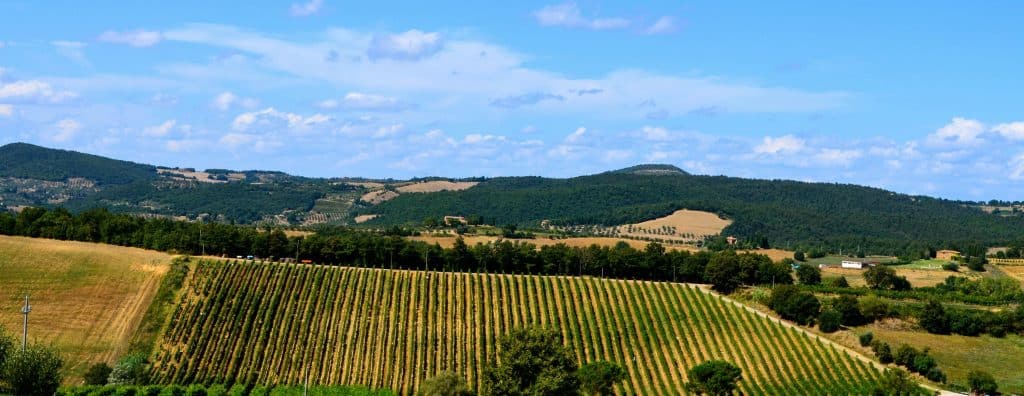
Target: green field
{"x":957,"y":355}
{"x":837,"y":260}
{"x":277,"y":323}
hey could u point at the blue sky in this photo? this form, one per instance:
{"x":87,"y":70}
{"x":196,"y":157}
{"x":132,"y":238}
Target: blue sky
{"x":916,"y":98}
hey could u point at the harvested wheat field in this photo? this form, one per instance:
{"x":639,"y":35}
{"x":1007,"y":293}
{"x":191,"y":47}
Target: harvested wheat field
{"x":281,"y":323}
{"x":87,"y":299}
{"x":435,"y":186}
{"x":1016,"y":271}
{"x":683,"y":225}
{"x":377,"y":196}
{"x":449,"y":241}
{"x":364,"y":218}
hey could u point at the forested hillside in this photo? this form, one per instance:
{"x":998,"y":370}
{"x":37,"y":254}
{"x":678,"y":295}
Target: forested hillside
{"x":785,"y":212}
{"x":27,"y":161}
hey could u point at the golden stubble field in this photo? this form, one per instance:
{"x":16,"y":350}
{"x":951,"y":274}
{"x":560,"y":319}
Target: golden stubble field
{"x":681,"y":222}
{"x":87,"y":299}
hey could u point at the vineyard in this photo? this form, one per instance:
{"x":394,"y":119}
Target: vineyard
{"x":279,"y":323}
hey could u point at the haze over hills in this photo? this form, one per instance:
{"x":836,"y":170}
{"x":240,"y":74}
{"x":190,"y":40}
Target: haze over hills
{"x":785,"y":212}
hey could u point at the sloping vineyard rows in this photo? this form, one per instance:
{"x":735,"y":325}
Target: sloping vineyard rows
{"x":281,"y":323}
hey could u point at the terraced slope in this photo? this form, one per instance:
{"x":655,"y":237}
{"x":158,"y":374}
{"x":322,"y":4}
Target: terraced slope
{"x":276,"y":323}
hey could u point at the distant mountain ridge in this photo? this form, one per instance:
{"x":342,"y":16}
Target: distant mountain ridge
{"x":787,"y":213}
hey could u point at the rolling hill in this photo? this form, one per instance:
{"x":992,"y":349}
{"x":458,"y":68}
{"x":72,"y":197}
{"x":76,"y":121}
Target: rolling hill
{"x":275,"y":323}
{"x":785,"y":213}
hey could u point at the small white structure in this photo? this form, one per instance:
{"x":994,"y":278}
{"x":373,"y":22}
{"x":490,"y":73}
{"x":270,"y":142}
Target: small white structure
{"x":852,"y":264}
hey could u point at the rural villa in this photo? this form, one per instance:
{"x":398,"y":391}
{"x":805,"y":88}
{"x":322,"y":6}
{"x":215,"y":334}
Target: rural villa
{"x":948,"y":255}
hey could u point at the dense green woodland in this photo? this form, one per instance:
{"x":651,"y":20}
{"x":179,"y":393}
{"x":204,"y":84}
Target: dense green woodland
{"x":33,"y":162}
{"x":788,"y":213}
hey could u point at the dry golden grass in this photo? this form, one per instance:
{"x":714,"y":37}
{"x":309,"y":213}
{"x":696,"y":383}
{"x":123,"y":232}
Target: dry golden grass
{"x":1016,"y":271}
{"x":449,"y":241}
{"x":378,"y":196}
{"x":364,"y":218}
{"x":297,"y":233}
{"x":435,"y":186}
{"x":917,"y":277}
{"x":774,"y":254}
{"x":682,"y":222}
{"x":87,"y":299}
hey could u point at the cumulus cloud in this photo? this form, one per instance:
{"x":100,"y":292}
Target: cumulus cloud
{"x":272,"y":119}
{"x":787,"y":144}
{"x":6,"y":110}
{"x":226,"y":100}
{"x":959,"y":132}
{"x":1012,"y":131}
{"x":306,"y":9}
{"x":516,"y":101}
{"x":35,"y":91}
{"x":160,"y":130}
{"x":569,"y":15}
{"x":135,"y":38}
{"x":408,"y":46}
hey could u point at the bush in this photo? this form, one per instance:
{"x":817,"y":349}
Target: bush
{"x":97,"y":374}
{"x":933,"y":318}
{"x":849,"y":310}
{"x":882,"y":351}
{"x":829,"y":320}
{"x":838,"y":282}
{"x":982,"y":383}
{"x":599,"y":378}
{"x":808,"y":274}
{"x":217,"y":390}
{"x":951,"y":266}
{"x":33,"y":371}
{"x":896,"y":382}
{"x":130,"y":370}
{"x":881,"y":277}
{"x":172,"y":390}
{"x":532,"y":360}
{"x":713,"y":377}
{"x":196,"y":390}
{"x":874,"y":308}
{"x":866,"y":338}
{"x":799,"y":255}
{"x":445,"y":384}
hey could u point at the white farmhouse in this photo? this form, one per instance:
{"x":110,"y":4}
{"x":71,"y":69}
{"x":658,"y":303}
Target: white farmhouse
{"x":852,"y":264}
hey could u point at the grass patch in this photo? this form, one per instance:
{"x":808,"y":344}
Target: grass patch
{"x":156,"y":315}
{"x":958,"y":355}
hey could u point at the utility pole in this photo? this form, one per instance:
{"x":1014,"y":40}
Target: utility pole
{"x":24,"y":330}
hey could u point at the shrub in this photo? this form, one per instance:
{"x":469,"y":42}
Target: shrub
{"x":829,"y":320}
{"x":982,"y":383}
{"x":866,"y":338}
{"x":445,"y":384}
{"x":97,"y":374}
{"x":896,"y":382}
{"x":951,"y":266}
{"x":838,"y":282}
{"x":33,"y":371}
{"x":849,"y":310}
{"x":874,"y":308}
{"x":217,"y":390}
{"x":905,"y":355}
{"x":713,"y":377}
{"x":799,"y":255}
{"x":882,"y":351}
{"x":196,"y":390}
{"x":130,"y":370}
{"x":598,"y":378}
{"x":933,"y":318}
{"x":532,"y":360}
{"x":172,"y":390}
{"x":808,"y":274}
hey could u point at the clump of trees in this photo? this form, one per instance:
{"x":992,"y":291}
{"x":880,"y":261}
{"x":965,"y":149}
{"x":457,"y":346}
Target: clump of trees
{"x":713,"y":377}
{"x":793,"y":304}
{"x":881,"y":277}
{"x":533,"y":361}
{"x":982,"y":383}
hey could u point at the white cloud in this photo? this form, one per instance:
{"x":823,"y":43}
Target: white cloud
{"x":6,"y":110}
{"x":160,"y":130}
{"x":73,"y":50}
{"x":569,"y":15}
{"x":272,"y":119}
{"x":410,"y":45}
{"x":389,"y":130}
{"x":225,"y":100}
{"x":787,"y":144}
{"x":959,"y":132}
{"x":655,"y":133}
{"x":362,"y":101}
{"x":663,"y":25}
{"x":577,"y":135}
{"x":184,"y":145}
{"x":829,"y":156}
{"x":306,"y":9}
{"x":617,"y":155}
{"x":135,"y":38}
{"x":66,"y":130}
{"x":34,"y":91}
{"x":1012,"y":131}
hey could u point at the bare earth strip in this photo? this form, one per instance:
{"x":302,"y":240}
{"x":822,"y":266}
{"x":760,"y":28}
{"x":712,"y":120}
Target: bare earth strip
{"x":87,"y":299}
